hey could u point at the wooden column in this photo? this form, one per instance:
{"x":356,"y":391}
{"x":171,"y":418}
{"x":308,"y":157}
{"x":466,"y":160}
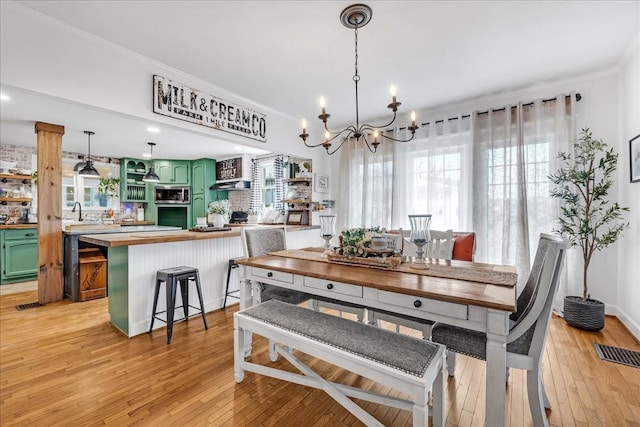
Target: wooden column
{"x":50,"y":274}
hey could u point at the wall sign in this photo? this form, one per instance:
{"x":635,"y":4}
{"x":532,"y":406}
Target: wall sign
{"x":229,"y":169}
{"x":182,"y":102}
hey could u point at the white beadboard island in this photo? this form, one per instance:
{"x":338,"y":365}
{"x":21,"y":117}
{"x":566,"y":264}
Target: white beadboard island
{"x":133,"y":259}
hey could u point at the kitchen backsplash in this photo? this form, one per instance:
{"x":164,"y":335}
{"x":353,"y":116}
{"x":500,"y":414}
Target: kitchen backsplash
{"x":25,"y":158}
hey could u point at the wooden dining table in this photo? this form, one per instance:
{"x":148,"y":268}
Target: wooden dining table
{"x":471,"y":295}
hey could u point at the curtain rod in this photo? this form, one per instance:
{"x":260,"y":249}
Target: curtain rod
{"x":466,"y":116}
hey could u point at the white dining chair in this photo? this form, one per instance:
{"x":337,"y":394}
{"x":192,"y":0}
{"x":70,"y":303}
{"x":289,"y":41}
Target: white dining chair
{"x":528,"y":329}
{"x":440,"y":247}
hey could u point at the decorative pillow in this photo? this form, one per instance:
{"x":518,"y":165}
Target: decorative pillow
{"x":463,"y":246}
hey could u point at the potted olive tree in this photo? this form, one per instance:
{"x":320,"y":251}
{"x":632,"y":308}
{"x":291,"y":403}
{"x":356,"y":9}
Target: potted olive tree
{"x":588,"y":218}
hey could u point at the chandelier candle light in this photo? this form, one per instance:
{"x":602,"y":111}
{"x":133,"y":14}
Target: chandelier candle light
{"x":357,"y":16}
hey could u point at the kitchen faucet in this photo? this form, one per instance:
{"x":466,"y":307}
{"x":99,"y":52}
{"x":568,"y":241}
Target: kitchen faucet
{"x":80,"y":211}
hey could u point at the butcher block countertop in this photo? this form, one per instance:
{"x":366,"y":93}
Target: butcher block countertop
{"x":17,"y":226}
{"x":167,"y":236}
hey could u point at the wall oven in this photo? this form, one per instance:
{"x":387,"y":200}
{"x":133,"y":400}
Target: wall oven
{"x":171,"y":194}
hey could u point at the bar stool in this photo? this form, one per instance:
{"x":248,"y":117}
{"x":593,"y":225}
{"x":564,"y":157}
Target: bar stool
{"x":232,"y":265}
{"x":171,"y":277}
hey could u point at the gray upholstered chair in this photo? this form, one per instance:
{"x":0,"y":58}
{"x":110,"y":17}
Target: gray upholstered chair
{"x":260,"y":241}
{"x":439,"y":247}
{"x":528,"y":329}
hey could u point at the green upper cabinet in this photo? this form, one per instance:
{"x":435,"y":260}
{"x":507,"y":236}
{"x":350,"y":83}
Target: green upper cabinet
{"x":203,"y":174}
{"x":132,"y":187}
{"x":172,"y":172}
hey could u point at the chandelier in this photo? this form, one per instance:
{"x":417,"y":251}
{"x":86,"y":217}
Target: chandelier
{"x":357,"y":16}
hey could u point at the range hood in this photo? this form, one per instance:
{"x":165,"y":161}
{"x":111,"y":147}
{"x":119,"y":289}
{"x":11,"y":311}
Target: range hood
{"x":232,"y":185}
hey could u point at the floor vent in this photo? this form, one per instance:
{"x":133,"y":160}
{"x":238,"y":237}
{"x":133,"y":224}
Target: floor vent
{"x":618,"y":355}
{"x":21,"y":307}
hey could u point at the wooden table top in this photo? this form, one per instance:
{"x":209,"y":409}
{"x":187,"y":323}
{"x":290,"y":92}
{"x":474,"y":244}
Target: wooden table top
{"x":499,"y":297}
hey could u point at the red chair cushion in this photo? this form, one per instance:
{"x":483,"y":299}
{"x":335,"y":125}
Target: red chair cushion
{"x":463,"y":246}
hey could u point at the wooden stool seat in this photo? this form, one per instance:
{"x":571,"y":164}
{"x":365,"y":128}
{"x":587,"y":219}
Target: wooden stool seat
{"x":171,"y":277}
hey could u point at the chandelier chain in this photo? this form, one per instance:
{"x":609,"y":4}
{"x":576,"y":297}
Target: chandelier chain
{"x":354,"y":17}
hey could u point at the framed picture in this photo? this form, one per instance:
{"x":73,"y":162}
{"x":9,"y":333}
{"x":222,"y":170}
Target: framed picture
{"x":321,"y":183}
{"x":634,"y":158}
{"x":295,"y":217}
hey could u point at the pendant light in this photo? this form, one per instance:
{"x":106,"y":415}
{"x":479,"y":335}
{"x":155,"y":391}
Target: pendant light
{"x":80,"y":164}
{"x":89,"y":169}
{"x":151,"y":176}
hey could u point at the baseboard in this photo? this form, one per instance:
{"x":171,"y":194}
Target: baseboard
{"x":627,"y":322}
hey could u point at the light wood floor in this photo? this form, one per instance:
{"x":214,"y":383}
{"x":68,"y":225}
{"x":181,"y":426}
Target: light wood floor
{"x":64,"y":364}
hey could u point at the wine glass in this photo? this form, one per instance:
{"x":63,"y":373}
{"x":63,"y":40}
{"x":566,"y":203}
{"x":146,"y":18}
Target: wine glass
{"x":327,"y":231}
{"x":420,"y":236}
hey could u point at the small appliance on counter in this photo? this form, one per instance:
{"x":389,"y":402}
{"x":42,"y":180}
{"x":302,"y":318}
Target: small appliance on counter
{"x":239,"y":217}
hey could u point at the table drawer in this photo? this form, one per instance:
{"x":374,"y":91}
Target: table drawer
{"x":272,"y":274}
{"x":331,"y":286}
{"x":459,"y":311}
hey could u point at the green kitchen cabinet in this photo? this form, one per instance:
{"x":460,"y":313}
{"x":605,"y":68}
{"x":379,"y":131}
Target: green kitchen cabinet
{"x":173,"y":172}
{"x":203,"y":174}
{"x":19,"y":255}
{"x":132,"y":187}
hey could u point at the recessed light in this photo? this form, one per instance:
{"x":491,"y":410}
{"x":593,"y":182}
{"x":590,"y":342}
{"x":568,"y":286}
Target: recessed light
{"x":4,"y":97}
{"x":237,"y":147}
{"x":153,"y":129}
{"x":147,"y":155}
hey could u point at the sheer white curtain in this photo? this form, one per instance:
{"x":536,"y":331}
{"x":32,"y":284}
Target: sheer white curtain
{"x":430,"y":174}
{"x":366,"y":181}
{"x":514,"y":151}
{"x":433,"y":175}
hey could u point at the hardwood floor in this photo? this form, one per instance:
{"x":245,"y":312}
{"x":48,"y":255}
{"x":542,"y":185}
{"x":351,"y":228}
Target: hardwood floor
{"x":64,"y":364}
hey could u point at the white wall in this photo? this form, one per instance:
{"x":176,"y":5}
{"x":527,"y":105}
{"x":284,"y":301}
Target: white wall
{"x":628,"y":304}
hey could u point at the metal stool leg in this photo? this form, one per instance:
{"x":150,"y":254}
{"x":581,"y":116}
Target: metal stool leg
{"x":155,"y":304}
{"x":226,"y":291}
{"x":204,"y":317}
{"x":171,"y":303}
{"x":184,"y":292}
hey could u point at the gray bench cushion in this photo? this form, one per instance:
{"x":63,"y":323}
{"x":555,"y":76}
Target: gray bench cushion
{"x":474,"y":343}
{"x":404,"y":353}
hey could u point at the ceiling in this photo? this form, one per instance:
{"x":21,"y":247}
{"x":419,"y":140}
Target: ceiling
{"x":285,"y":54}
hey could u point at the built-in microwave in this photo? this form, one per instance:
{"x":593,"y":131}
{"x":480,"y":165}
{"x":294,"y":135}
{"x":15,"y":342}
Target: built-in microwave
{"x":172,"y":194}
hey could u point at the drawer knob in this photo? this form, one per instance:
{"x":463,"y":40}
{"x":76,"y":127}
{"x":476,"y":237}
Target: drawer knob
{"x":329,"y":285}
{"x":30,"y":234}
{"x":417,"y":303}
{"x":269,"y":274}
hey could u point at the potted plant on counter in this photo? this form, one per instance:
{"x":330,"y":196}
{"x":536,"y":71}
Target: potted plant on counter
{"x":219,"y":211}
{"x":588,"y":218}
{"x":108,"y":187}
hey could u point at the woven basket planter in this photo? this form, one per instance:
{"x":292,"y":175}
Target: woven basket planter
{"x":587,"y":315}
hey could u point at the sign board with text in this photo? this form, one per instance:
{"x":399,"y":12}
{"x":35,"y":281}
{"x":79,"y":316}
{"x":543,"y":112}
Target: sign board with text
{"x":229,"y":169}
{"x":182,"y":102}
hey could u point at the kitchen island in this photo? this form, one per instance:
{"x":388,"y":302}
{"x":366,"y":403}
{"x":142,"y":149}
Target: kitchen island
{"x":72,"y":246}
{"x":134,"y":257}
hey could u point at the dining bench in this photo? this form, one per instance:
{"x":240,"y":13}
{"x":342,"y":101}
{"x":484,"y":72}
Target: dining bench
{"x":410,"y":365}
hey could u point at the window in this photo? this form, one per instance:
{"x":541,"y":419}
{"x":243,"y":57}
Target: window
{"x":76,"y":188}
{"x":268,"y":185}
